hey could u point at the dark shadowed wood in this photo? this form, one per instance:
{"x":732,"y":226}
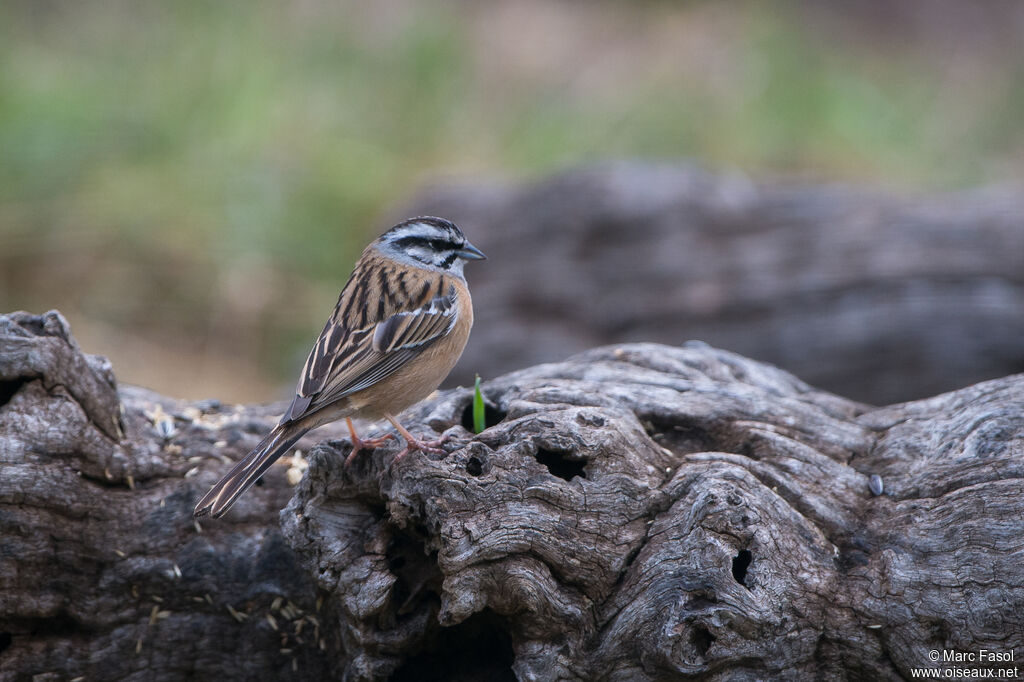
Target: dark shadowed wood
{"x":878,"y":297}
{"x":637,"y":512}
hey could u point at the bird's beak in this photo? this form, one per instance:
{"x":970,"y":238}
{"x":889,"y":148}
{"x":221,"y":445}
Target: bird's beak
{"x":470,"y":252}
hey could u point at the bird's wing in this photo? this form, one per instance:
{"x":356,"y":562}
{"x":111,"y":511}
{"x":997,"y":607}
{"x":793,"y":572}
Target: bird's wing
{"x":343,"y":362}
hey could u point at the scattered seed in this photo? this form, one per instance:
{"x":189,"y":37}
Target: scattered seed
{"x":163,"y":614}
{"x":163,"y":502}
{"x":165,"y":427}
{"x":135,"y":591}
{"x":177,"y":571}
{"x":876,"y":485}
{"x":158,"y":600}
{"x":875,"y":626}
{"x":240,"y":617}
{"x":138,"y":646}
{"x":119,"y":553}
{"x":191,"y":472}
{"x":153,"y":614}
{"x":295,"y":665}
{"x":209,"y":599}
{"x":220,"y":444}
{"x":195,"y":522}
{"x":272,"y":621}
{"x":130,"y":480}
{"x":276,"y":604}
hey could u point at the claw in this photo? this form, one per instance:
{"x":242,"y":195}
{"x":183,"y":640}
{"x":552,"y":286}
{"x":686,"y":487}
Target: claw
{"x":413,"y":444}
{"x":359,"y":444}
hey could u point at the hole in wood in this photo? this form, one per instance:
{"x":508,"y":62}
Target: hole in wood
{"x":492,"y":416}
{"x":474,"y":467}
{"x":701,"y":638}
{"x":478,"y":648}
{"x":8,"y":389}
{"x":681,"y":437}
{"x":740,"y":564}
{"x":560,"y":465}
{"x":418,"y":577}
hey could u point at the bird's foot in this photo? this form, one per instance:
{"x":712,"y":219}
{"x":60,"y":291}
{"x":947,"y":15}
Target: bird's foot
{"x":412,"y":444}
{"x":359,"y":444}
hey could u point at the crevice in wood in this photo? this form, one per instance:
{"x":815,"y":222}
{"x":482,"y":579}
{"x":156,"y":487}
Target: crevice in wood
{"x":701,"y":639}
{"x":492,"y":415}
{"x":559,"y":464}
{"x":8,"y":389}
{"x":479,"y":648}
{"x":740,"y":564}
{"x":474,"y":466}
{"x":680,"y":438}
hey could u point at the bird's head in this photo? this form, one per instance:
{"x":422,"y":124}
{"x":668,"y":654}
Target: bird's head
{"x":428,"y":242}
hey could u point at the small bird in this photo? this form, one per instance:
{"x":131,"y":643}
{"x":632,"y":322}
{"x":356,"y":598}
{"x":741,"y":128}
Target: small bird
{"x":399,"y":327}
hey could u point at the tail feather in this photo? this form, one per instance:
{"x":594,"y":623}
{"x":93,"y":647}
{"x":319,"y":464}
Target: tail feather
{"x":248,"y":470}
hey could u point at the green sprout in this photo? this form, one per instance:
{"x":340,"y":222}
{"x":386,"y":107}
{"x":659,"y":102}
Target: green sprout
{"x":478,"y":408}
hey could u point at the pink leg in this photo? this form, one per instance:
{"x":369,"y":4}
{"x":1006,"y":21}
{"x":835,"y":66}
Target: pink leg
{"x":412,"y":443}
{"x":358,"y":444}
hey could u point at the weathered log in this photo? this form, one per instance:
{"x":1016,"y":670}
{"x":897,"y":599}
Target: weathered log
{"x":871,"y":295}
{"x":639,"y":512}
{"x":103,"y":573}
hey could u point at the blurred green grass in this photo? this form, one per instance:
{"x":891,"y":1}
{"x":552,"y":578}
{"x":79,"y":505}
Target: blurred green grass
{"x":199,"y":176}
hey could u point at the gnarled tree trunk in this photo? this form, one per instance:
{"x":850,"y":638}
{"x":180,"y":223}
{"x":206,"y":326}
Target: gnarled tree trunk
{"x":638,"y":512}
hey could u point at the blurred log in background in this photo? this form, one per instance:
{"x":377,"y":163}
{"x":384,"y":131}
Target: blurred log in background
{"x":872,"y":296}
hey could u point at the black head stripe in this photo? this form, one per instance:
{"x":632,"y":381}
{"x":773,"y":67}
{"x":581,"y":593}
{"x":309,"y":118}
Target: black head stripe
{"x":425,"y":228}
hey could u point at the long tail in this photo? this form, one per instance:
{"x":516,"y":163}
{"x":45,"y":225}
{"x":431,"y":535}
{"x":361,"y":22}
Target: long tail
{"x":248,"y":470}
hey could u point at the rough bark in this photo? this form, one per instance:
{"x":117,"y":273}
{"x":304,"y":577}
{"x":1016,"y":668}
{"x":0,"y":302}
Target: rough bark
{"x":103,"y":573}
{"x":877,"y":297}
{"x":638,"y":512}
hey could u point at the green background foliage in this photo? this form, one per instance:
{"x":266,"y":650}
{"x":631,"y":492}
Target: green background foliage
{"x":191,"y":181}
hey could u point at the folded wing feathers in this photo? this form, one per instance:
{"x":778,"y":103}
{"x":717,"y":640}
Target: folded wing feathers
{"x":394,"y":342}
{"x":414,"y":328}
